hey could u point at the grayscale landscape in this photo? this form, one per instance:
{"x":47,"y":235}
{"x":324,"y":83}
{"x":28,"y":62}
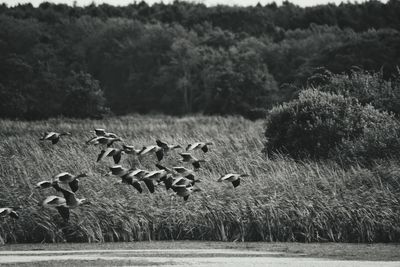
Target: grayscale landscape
{"x":178,"y":134}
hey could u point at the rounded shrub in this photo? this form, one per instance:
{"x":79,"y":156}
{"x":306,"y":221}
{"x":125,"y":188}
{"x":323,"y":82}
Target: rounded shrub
{"x":368,"y":87}
{"x":326,"y":125}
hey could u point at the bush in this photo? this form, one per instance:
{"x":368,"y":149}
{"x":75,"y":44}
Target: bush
{"x":367,"y":87}
{"x":380,"y":140}
{"x":325,"y":125}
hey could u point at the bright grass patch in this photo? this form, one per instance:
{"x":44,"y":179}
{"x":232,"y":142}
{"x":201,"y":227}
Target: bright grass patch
{"x":282,"y":200}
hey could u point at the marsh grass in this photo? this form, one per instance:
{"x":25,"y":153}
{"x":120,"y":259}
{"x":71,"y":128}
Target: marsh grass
{"x":282,"y":200}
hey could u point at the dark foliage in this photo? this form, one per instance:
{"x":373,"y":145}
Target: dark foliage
{"x":182,"y":57}
{"x":323,"y":125}
{"x":368,"y":88}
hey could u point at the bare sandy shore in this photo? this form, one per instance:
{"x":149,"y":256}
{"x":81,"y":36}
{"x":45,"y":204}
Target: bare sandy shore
{"x":175,"y":257}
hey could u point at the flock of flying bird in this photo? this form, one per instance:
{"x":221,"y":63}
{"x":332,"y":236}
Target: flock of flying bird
{"x":179,"y":178}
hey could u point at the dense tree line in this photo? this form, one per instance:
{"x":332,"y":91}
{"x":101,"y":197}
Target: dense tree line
{"x":182,"y":57}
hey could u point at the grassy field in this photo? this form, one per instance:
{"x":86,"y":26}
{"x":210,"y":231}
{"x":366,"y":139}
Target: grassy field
{"x":282,"y":200}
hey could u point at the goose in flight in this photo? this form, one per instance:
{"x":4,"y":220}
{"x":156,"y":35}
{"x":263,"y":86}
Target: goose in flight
{"x":129,"y":176}
{"x":167,"y":147}
{"x":59,"y":203}
{"x":156,"y":176}
{"x":185,"y":172}
{"x":102,"y":140}
{"x":118,"y":170}
{"x":150,"y":149}
{"x":102,"y":132}
{"x":116,"y":153}
{"x":233,"y":178}
{"x":178,"y":171}
{"x":70,"y":179}
{"x":71,"y":201}
{"x":161,"y":167}
{"x":168,"y":181}
{"x":182,"y":181}
{"x":54,"y":137}
{"x":138,"y":173}
{"x":130,"y":150}
{"x":9,"y":211}
{"x":199,"y":145}
{"x":187,"y":157}
{"x":185,"y":190}
{"x":44,"y":184}
{"x":131,"y":179}
{"x":64,"y":204}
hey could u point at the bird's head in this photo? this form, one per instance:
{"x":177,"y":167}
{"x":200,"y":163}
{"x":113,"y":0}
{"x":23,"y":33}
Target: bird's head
{"x":99,"y":131}
{"x":194,"y":189}
{"x":127,"y":148}
{"x":84,"y":201}
{"x":43,"y":184}
{"x":83,"y":174}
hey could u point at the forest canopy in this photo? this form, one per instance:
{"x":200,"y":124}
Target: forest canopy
{"x":183,"y":58}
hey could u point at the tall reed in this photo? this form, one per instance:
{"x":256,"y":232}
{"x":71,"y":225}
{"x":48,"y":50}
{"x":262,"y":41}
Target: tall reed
{"x":282,"y":200}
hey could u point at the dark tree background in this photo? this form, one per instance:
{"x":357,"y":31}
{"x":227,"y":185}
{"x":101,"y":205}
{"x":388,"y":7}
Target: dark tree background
{"x":183,"y":57}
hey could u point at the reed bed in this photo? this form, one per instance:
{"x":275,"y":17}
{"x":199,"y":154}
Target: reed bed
{"x":282,"y":200}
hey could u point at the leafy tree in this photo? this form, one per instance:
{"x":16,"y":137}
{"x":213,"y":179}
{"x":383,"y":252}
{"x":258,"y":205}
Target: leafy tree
{"x":84,"y":97}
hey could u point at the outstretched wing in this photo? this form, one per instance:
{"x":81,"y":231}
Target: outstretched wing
{"x":137,"y":185}
{"x":168,"y":181}
{"x":14,"y":215}
{"x":181,"y":182}
{"x":53,"y":200}
{"x":196,"y":164}
{"x":190,"y":177}
{"x":160,"y":154}
{"x":101,"y":155}
{"x":64,"y":212}
{"x":44,"y":184}
{"x":185,"y":156}
{"x":74,"y":185}
{"x":117,"y":157}
{"x":68,"y":195}
{"x":161,"y":167}
{"x":92,"y":140}
{"x":63,"y":177}
{"x":179,"y":169}
{"x":48,"y":135}
{"x":149,"y":184}
{"x":162,"y":144}
{"x":55,"y":140}
{"x":105,"y":153}
{"x":146,"y":150}
{"x":236,"y":183}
